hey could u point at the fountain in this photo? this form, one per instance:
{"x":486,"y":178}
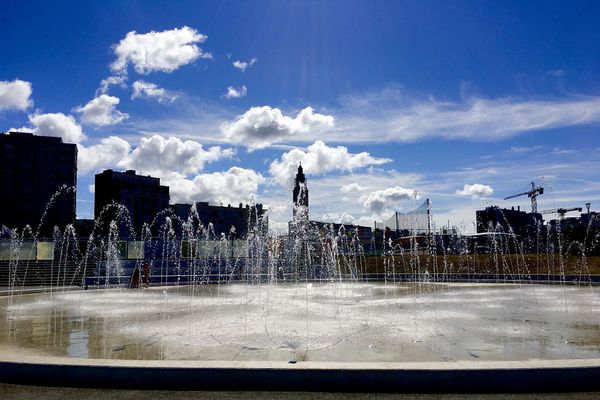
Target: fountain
{"x":315,"y":310}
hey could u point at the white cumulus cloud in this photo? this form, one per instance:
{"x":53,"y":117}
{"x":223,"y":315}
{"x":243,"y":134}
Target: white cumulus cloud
{"x":476,"y":191}
{"x":319,"y":158}
{"x":156,"y":155}
{"x":58,"y":125}
{"x":386,"y":199}
{"x":234,"y":93}
{"x":338,"y":218}
{"x":228,"y":187}
{"x":106,"y":154}
{"x":149,"y":90}
{"x":160,"y":156}
{"x":163,"y":51}
{"x":102,"y":111}
{"x":261,"y":126}
{"x":15,"y":95}
{"x":243,"y":65}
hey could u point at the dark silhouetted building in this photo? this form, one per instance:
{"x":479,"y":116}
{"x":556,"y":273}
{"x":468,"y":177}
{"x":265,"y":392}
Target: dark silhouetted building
{"x":494,"y":219}
{"x":84,"y":227}
{"x":591,"y":218}
{"x":32,"y":169}
{"x":224,"y":219}
{"x":300,"y":191}
{"x":143,"y":196}
{"x":574,"y":235}
{"x":363,"y":234}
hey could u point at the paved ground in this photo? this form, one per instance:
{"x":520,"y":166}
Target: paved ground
{"x":14,"y":392}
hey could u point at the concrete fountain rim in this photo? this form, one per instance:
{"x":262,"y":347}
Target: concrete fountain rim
{"x":532,"y":375}
{"x":17,"y":357}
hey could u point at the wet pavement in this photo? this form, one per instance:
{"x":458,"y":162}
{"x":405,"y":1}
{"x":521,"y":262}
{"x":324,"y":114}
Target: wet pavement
{"x":348,"y":322}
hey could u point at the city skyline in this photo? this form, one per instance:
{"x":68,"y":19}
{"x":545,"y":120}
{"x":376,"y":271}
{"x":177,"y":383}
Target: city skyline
{"x":384,"y":104}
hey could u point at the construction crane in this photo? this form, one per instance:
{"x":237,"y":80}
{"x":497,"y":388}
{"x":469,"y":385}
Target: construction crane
{"x":561,"y":211}
{"x":532,"y":194}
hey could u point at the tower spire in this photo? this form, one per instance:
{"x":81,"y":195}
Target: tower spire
{"x":300,"y":192}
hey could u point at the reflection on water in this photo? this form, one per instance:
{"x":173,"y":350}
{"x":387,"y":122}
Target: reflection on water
{"x":78,"y":344}
{"x":322,"y":322}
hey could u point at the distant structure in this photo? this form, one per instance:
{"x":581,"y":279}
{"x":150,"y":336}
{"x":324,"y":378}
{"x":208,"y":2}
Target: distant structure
{"x":522,"y":223}
{"x":300,"y":192}
{"x":300,"y":205}
{"x":591,"y":218}
{"x":32,"y":169}
{"x":533,"y":193}
{"x":143,"y":196}
{"x":233,"y":222}
{"x":415,"y":222}
{"x":588,"y":221}
{"x":363,"y":234}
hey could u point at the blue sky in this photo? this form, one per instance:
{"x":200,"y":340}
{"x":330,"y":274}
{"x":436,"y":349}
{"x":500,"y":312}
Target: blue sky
{"x":404,"y":97}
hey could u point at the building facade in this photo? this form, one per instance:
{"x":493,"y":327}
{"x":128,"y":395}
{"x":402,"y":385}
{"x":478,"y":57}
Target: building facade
{"x":508,"y":220}
{"x":33,"y":169}
{"x":143,"y":196}
{"x":363,"y":234}
{"x":233,"y":222}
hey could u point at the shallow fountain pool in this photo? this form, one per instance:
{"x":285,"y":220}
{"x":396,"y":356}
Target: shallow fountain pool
{"x":341,"y":321}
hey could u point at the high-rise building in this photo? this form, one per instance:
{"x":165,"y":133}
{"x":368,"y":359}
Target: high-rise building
{"x":143,"y":196}
{"x":32,"y":170}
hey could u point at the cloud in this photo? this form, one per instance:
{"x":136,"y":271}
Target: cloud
{"x":58,"y":125}
{"x":26,"y":129}
{"x":393,"y":117}
{"x":352,"y":187}
{"x":163,"y":51}
{"x":102,"y":111}
{"x":159,"y":156}
{"x":149,"y":90}
{"x":106,"y":154}
{"x":338,"y":218}
{"x":242,"y":65}
{"x":380,"y":201}
{"x":476,"y":191}
{"x":558,"y":73}
{"x":319,"y":158}
{"x":390,"y":118}
{"x":523,"y":149}
{"x":106,"y":83}
{"x":261,"y":126}
{"x":229,"y":187}
{"x":560,"y":151}
{"x":15,"y":95}
{"x":233,"y":92}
